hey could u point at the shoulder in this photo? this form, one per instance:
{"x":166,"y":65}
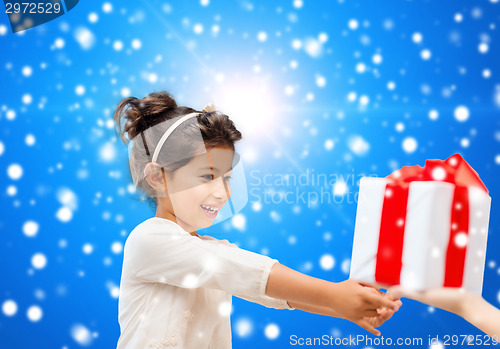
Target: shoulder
{"x":215,"y":240}
{"x":155,"y":227}
{"x":155,"y":237}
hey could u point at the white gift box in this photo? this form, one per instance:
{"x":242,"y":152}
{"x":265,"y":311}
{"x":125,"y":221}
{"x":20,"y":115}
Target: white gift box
{"x":427,"y":231}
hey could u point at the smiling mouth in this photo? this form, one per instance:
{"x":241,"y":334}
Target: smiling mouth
{"x":210,"y":209}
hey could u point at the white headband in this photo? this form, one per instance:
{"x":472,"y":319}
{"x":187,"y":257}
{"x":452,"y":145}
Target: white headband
{"x":208,"y":108}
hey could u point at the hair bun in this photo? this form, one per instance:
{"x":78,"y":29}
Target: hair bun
{"x":156,"y":102}
{"x":140,"y":114}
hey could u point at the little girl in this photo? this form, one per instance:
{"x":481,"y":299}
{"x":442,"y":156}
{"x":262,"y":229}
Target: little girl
{"x":176,"y":286}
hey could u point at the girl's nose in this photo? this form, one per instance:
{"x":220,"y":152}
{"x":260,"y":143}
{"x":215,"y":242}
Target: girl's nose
{"x":221,"y":189}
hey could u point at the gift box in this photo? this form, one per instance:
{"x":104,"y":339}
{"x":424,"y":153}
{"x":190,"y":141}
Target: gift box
{"x":423,"y":227}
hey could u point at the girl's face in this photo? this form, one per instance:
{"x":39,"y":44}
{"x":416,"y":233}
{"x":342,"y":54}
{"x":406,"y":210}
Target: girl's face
{"x":199,"y":189}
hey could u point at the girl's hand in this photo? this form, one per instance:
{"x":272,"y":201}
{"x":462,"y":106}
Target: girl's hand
{"x":384,"y":313}
{"x":360,"y":303}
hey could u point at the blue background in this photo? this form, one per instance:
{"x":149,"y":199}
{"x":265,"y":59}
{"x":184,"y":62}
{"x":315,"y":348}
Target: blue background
{"x":287,"y":73}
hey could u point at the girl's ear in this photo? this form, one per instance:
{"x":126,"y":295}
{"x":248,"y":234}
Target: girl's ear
{"x":152,"y":173}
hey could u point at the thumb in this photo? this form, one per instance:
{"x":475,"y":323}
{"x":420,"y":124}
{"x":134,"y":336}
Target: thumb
{"x":368,"y":284}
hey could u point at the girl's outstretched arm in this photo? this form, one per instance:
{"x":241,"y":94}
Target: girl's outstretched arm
{"x":471,"y":307}
{"x":348,"y":299}
{"x":376,"y":321}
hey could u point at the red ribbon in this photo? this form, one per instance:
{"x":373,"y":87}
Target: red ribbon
{"x":453,"y":170}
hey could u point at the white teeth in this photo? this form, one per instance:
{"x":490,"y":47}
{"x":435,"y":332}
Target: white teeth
{"x":209,"y":209}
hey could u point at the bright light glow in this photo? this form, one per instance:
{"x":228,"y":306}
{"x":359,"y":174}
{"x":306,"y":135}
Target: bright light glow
{"x":251,"y":104}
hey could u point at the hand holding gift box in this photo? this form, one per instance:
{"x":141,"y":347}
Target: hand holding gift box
{"x":423,"y":227}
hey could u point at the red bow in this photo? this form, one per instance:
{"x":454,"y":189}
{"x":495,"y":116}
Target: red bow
{"x":452,"y":170}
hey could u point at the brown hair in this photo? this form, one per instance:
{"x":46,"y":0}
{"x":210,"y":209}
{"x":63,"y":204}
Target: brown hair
{"x":216,"y":128}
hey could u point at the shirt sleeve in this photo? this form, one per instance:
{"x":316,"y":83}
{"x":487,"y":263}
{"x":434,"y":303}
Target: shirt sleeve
{"x":268,"y":302}
{"x":180,"y":259}
{"x":264,"y":300}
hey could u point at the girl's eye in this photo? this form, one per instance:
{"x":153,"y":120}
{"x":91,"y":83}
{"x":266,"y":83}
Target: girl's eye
{"x":209,"y":177}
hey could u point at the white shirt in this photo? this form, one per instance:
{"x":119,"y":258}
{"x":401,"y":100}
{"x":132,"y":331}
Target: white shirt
{"x":176,"y":289}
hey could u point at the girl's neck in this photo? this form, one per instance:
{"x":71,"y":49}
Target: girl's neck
{"x":167,"y":215}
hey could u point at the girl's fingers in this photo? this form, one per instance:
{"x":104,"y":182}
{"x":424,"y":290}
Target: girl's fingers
{"x":364,"y":324}
{"x":386,"y":314}
{"x":397,"y":304}
{"x":374,"y":290}
{"x":370,"y":313}
{"x":368,"y":284}
{"x":374,"y":285}
{"x":381,"y":301}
